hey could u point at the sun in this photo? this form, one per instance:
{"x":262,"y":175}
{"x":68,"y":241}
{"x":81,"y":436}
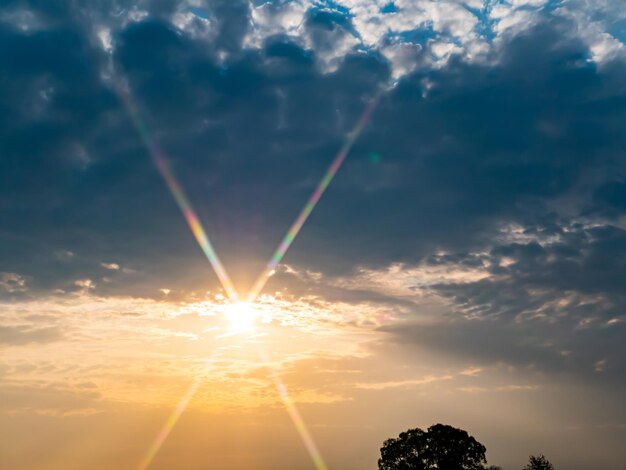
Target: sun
{"x":241,"y":317}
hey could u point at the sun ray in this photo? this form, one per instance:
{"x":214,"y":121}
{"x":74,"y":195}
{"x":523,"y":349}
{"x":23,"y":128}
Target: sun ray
{"x":169,"y":424}
{"x":296,"y":418}
{"x":244,"y":311}
{"x":124,"y":93}
{"x":295,"y":228}
{"x":173,"y":418}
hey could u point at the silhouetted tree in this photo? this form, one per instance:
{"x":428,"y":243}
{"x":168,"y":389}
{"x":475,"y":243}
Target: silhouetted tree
{"x":441,"y":447}
{"x":493,"y":467}
{"x":538,"y":462}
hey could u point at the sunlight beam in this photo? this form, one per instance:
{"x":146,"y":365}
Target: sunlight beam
{"x":296,"y":418}
{"x":300,"y":425}
{"x":169,"y":425}
{"x":242,"y":314}
{"x":293,"y":231}
{"x":124,"y":93}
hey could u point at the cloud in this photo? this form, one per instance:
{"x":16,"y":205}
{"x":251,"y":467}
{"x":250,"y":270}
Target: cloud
{"x":22,"y":335}
{"x":497,"y":194}
{"x":12,"y":282}
{"x":110,"y":266}
{"x":466,"y":147}
{"x":50,"y":399}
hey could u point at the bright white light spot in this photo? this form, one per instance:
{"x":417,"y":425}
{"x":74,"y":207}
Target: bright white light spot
{"x":241,"y":317}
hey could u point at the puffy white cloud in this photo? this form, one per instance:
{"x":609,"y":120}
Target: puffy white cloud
{"x":595,"y":21}
{"x":270,"y":18}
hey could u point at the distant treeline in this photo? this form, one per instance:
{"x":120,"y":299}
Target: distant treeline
{"x":442,"y":447}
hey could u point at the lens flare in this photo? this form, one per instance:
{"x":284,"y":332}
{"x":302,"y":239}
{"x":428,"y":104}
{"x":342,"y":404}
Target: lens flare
{"x":293,"y":231}
{"x":300,"y":425}
{"x":123,"y":91}
{"x":169,"y":425}
{"x":241,"y":315}
{"x":296,"y":418}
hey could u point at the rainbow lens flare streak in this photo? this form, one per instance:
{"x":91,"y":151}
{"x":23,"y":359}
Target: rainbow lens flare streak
{"x":296,"y":418}
{"x":278,"y":255}
{"x":298,"y":422}
{"x":295,"y":228}
{"x":169,"y":425}
{"x":175,"y":188}
{"x":203,"y":240}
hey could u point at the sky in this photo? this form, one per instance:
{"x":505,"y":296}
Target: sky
{"x":465,"y":265}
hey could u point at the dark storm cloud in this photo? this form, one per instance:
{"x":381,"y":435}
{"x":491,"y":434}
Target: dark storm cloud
{"x":236,"y":134}
{"x":487,"y":144}
{"x":464,"y":149}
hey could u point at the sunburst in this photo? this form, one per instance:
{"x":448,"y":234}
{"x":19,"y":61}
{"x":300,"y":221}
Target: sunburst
{"x":241,"y":317}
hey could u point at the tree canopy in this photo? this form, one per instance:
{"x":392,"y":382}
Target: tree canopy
{"x":538,"y":462}
{"x":440,"y":447}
